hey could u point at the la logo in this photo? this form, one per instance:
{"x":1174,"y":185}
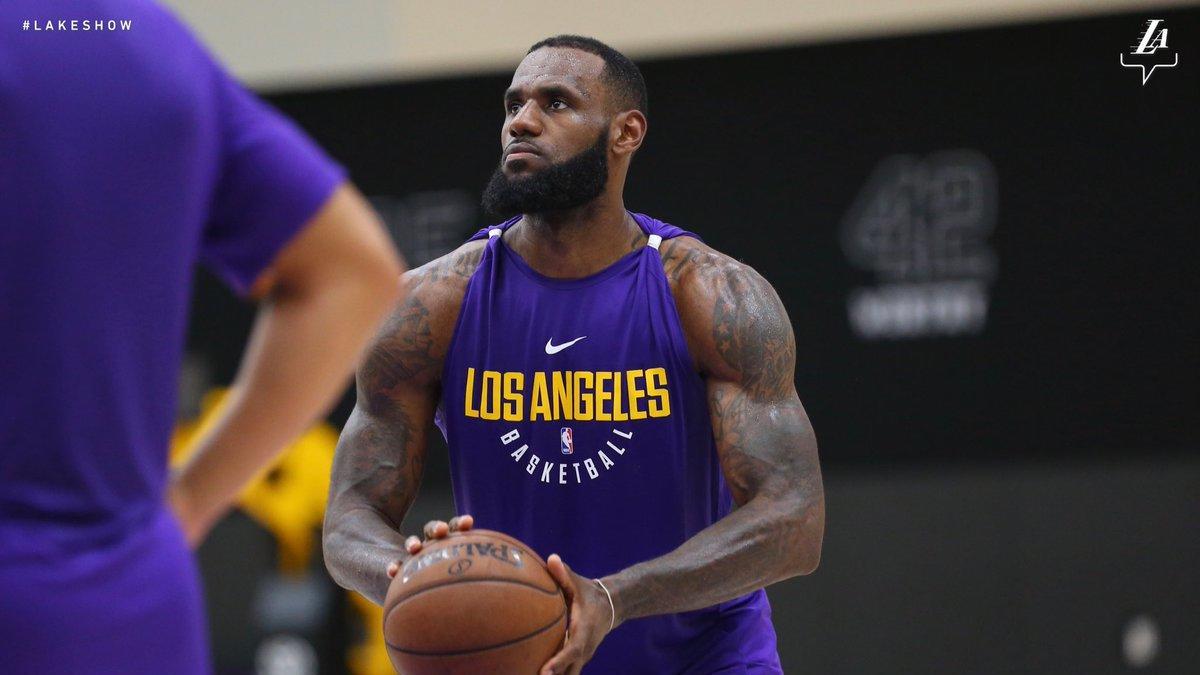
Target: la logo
{"x":1152,"y":40}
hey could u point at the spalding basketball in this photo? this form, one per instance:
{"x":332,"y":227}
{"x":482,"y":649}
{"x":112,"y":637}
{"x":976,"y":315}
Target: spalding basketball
{"x":474,"y":602}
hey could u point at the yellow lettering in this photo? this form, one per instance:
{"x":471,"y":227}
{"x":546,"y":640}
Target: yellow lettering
{"x":564,"y":402}
{"x":540,"y":403}
{"x":635,"y":394}
{"x":489,"y":403}
{"x":619,"y":414}
{"x":603,"y":396}
{"x":584,"y":399}
{"x":656,"y":388}
{"x":469,"y":409}
{"x":514,"y":400}
{"x":582,"y":395}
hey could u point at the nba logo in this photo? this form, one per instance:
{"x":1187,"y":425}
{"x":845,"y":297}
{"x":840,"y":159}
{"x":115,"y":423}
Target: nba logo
{"x":566,"y":441}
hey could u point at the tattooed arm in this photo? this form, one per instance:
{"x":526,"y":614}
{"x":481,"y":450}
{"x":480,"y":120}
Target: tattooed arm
{"x":381,"y":453}
{"x":741,"y":338}
{"x":739,"y":334}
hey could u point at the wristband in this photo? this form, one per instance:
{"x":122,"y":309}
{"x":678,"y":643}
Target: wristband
{"x":613,"y":620}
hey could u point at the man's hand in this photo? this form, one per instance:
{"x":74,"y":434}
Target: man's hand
{"x":193,"y":529}
{"x":434,"y":529}
{"x":591,"y":619}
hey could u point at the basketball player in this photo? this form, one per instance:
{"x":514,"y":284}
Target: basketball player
{"x":609,"y":387}
{"x":126,"y":156}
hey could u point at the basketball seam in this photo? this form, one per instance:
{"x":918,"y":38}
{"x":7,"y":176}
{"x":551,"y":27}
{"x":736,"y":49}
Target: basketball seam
{"x":444,"y":584}
{"x":506,"y":643}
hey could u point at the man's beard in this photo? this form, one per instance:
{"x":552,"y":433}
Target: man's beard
{"x":558,"y":187}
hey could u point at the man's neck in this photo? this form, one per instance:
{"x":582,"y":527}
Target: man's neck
{"x":575,"y":243}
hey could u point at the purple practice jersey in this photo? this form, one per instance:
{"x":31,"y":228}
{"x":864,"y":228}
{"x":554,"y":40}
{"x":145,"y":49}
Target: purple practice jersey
{"x":577,"y":423}
{"x":126,"y":156}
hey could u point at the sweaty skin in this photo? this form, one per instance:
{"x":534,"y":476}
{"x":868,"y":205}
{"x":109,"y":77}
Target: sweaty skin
{"x":736,"y":329}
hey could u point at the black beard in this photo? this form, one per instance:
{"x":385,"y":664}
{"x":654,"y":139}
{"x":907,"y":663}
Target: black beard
{"x":558,"y":187}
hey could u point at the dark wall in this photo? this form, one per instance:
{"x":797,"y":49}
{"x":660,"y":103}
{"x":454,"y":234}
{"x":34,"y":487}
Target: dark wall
{"x":1001,"y":569}
{"x":1015,"y":209}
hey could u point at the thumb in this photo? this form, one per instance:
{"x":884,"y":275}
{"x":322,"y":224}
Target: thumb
{"x":561,"y":574}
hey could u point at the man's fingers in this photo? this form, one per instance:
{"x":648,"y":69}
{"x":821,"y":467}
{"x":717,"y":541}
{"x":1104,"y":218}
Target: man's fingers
{"x":570,"y":659}
{"x":436,"y":529}
{"x":559,"y":570}
{"x":560,"y":663}
{"x":461,"y":523}
{"x":562,"y":575}
{"x":413,"y":546}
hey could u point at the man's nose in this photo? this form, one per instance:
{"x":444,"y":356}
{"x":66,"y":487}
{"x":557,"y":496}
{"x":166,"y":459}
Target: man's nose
{"x":527,"y":121}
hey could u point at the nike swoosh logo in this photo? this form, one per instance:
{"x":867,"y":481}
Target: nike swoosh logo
{"x":552,"y":348}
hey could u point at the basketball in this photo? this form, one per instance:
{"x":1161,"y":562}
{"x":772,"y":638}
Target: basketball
{"x":474,"y":602}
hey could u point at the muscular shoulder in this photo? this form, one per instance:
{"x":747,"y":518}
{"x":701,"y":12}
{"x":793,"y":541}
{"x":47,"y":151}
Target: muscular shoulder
{"x":409,"y":348}
{"x":440,"y":283}
{"x":736,"y":326}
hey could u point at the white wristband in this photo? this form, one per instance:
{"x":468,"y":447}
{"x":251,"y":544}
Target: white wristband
{"x":612,"y":621}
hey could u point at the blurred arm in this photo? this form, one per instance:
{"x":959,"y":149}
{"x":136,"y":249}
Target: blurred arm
{"x":321,"y":299}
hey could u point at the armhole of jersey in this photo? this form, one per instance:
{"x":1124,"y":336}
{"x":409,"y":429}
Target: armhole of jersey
{"x":655,"y":241}
{"x":490,"y":242}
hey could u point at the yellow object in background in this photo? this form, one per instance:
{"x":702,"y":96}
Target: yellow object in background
{"x":288,"y":500}
{"x":369,"y":657}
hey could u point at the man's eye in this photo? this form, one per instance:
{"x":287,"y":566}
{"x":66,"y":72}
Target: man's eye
{"x":513,"y":108}
{"x":558,"y":104}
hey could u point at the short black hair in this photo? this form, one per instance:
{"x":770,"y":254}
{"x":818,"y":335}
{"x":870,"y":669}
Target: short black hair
{"x":620,"y":73}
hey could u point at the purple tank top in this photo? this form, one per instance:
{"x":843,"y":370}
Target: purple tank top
{"x":577,"y":423}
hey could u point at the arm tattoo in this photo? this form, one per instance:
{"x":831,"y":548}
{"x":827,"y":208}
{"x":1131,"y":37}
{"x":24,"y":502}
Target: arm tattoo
{"x":752,"y":334}
{"x":380,"y":456}
{"x":677,"y":258}
{"x":755,"y":411}
{"x":399,"y":358}
{"x":743,"y":342}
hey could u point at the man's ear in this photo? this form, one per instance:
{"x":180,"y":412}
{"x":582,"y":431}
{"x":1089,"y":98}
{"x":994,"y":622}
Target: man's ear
{"x":628,"y":131}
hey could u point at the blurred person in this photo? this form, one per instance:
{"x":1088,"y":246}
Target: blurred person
{"x":609,"y":387}
{"x":128,"y":155}
{"x":287,"y":499}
